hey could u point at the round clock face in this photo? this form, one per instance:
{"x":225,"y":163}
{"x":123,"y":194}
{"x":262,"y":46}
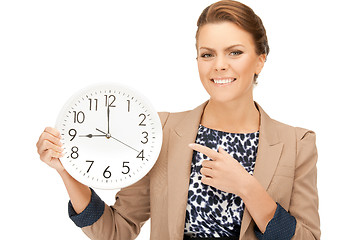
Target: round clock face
{"x":112,"y":136}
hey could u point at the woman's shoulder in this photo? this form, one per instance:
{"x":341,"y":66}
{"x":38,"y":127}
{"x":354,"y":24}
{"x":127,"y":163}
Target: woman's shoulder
{"x":287,"y":129}
{"x":172,"y":118}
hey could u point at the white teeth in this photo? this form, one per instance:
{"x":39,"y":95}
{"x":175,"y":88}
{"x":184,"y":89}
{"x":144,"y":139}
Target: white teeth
{"x":223,"y":81}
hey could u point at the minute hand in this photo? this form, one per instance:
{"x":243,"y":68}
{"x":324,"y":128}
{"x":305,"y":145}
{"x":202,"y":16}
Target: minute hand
{"x":108,"y":119}
{"x":118,"y":140}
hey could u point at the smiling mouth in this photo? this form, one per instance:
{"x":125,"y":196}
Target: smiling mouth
{"x":223,"y":81}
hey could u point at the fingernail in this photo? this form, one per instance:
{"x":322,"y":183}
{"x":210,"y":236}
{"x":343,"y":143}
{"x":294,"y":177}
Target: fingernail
{"x":191,"y":144}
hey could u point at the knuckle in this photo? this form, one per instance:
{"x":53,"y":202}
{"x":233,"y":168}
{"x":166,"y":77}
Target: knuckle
{"x":40,"y":140}
{"x":46,"y":143}
{"x":52,"y":131}
{"x":54,"y":140}
{"x":43,"y":137}
{"x":43,"y":146}
{"x":47,"y":129}
{"x":56,"y":154}
{"x":49,"y":145}
{"x":40,"y":148}
{"x":56,"y":132}
{"x":57,"y":142}
{"x":59,"y":149}
{"x":52,"y":153}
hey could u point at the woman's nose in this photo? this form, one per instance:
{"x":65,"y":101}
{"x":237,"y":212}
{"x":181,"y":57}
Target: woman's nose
{"x":220,"y":64}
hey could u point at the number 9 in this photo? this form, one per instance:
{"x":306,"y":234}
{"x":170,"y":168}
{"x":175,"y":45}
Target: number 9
{"x":72,"y":134}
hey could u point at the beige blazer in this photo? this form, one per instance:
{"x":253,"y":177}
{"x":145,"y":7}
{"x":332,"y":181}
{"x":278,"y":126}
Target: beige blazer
{"x":285,"y":166}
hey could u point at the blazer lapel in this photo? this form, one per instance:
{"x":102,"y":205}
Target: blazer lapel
{"x":179,"y":167}
{"x":267,"y":158}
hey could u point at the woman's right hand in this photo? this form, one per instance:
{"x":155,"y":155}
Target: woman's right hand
{"x":50,"y":148}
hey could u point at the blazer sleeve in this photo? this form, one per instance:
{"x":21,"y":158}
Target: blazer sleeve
{"x":304,"y":202}
{"x":124,"y":219}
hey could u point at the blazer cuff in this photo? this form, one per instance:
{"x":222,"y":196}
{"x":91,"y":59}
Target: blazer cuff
{"x":91,"y":213}
{"x":281,"y":226}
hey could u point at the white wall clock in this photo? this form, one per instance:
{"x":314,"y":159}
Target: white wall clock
{"x":112,"y":136}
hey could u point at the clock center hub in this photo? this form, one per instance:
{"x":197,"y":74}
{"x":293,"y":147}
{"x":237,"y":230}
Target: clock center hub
{"x":108,"y":135}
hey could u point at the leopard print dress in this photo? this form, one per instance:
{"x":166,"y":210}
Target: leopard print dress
{"x":211,"y":212}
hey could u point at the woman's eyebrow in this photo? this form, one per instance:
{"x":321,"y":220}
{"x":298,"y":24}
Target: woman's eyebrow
{"x":210,"y":49}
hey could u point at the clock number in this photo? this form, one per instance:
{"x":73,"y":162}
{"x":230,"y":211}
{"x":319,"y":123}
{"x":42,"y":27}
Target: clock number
{"x":109,"y":99}
{"x":107,"y":173}
{"x":124,"y":166}
{"x":92,"y":162}
{"x":96,"y":103}
{"x":128,"y":105}
{"x":74,"y":152}
{"x":145,"y":137}
{"x":141,"y":155}
{"x":79,"y":117}
{"x":142,"y":124}
{"x":72,"y":133}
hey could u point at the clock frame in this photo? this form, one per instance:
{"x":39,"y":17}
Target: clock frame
{"x":111,"y":135}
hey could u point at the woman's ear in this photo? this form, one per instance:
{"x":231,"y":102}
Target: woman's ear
{"x":260,"y":63}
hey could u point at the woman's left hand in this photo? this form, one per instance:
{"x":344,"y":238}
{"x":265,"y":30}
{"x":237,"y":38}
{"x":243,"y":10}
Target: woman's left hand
{"x":224,"y":172}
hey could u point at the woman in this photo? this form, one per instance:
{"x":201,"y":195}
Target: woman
{"x":226,"y":170}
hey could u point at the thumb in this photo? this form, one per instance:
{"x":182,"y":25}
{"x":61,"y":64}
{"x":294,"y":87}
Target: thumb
{"x":223,"y":152}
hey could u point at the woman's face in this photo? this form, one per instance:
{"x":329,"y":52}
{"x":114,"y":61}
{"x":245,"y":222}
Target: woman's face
{"x":227,"y":61}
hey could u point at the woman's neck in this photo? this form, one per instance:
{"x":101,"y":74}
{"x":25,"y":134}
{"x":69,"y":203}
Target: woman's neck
{"x":235,"y":116}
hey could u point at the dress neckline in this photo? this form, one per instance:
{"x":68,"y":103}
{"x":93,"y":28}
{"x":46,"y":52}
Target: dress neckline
{"x":227,"y":132}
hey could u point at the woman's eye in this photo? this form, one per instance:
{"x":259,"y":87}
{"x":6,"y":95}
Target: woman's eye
{"x":235,"y":53}
{"x":206,"y":55}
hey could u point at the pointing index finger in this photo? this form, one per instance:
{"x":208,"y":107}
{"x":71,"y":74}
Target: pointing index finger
{"x":205,"y":150}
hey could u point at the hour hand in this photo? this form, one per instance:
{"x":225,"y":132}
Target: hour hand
{"x":92,"y":135}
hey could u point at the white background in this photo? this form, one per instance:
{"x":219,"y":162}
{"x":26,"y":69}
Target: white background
{"x":51,"y":49}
